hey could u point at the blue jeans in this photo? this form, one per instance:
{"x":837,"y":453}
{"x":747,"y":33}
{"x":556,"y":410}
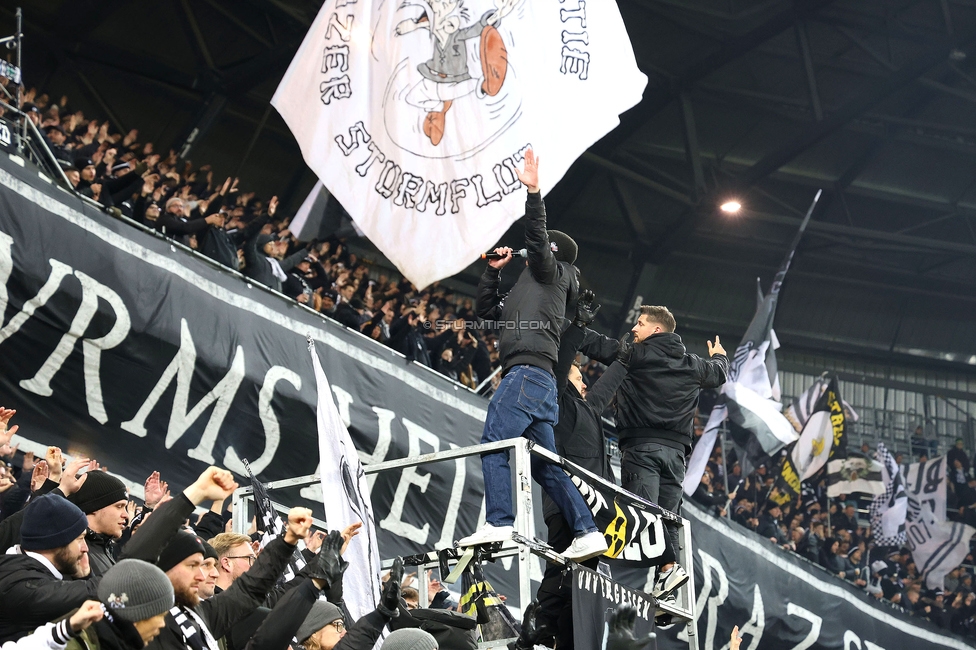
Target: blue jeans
{"x":525,"y":405}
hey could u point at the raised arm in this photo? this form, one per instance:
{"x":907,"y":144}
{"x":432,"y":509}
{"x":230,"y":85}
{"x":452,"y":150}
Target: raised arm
{"x":252,"y":587}
{"x":714,"y":371}
{"x":542,"y":263}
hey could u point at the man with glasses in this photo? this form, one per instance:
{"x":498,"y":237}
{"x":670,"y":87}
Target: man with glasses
{"x":235,"y":555}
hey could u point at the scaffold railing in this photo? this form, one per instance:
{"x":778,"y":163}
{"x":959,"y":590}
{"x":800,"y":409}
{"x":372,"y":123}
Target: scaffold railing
{"x":523,"y":450}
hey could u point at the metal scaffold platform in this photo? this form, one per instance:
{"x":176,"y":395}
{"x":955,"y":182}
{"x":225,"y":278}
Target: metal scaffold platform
{"x":523,"y":545}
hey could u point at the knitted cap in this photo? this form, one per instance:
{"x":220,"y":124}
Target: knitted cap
{"x":410,"y":639}
{"x":262,"y":241}
{"x":209,"y":552}
{"x":564,"y":249}
{"x":51,"y":522}
{"x":183,"y":546}
{"x":135,"y":590}
{"x":321,"y":614}
{"x":99,"y":491}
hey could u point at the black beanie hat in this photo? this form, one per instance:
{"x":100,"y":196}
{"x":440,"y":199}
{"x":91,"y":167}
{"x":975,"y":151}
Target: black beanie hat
{"x":183,"y":546}
{"x":99,"y":491}
{"x":209,"y":552}
{"x":563,"y":247}
{"x":51,"y":522}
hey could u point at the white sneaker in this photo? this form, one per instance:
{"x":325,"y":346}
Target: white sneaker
{"x":669,"y":581}
{"x":586,"y":546}
{"x":488,"y":535}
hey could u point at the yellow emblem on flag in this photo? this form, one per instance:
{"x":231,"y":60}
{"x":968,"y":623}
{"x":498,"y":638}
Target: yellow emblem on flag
{"x":616,"y":533}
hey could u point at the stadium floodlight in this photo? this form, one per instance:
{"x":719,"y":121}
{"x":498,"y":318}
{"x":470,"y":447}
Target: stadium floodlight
{"x":731,"y":207}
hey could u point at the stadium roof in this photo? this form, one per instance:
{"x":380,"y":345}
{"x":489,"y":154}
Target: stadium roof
{"x":765,"y":100}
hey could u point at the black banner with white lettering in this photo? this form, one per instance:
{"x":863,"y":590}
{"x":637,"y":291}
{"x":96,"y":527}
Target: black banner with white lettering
{"x":118,"y":346}
{"x":780,"y":601}
{"x":595,"y":597}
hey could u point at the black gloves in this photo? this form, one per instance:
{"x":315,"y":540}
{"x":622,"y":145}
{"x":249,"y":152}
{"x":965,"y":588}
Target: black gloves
{"x":626,"y":349}
{"x":390,"y":599}
{"x":328,"y":566}
{"x":532,"y":630}
{"x":622,"y":630}
{"x":586,"y":310}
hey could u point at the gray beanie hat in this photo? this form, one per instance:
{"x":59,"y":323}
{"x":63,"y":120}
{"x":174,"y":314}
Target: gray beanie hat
{"x":321,"y":614}
{"x":410,"y":638}
{"x":135,"y":590}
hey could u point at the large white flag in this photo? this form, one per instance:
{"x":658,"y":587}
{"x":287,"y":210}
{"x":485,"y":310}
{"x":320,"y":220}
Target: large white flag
{"x":346,"y":499}
{"x":926,"y":484}
{"x":416,"y":114}
{"x":937,"y":547}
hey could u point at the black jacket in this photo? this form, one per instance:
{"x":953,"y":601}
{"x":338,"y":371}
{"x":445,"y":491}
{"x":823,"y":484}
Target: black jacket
{"x":110,"y":633}
{"x":362,"y":635}
{"x":579,"y":431}
{"x":283,"y":621}
{"x":102,"y":553}
{"x":30,"y":595}
{"x":657,"y":400}
{"x":769,"y":528}
{"x":221,"y":612}
{"x":532,"y":313}
{"x":345,"y":314}
{"x":407,"y":339}
{"x":258,"y":265}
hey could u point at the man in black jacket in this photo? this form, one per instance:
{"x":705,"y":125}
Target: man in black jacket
{"x":579,"y":439}
{"x":195,"y":624}
{"x":103,"y":499}
{"x":525,"y":404}
{"x":655,"y":416}
{"x":34,"y":588}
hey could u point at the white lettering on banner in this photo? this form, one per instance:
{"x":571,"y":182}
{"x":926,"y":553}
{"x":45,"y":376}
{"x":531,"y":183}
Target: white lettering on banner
{"x":384,"y":420}
{"x":615,"y":592}
{"x":816,"y":622}
{"x":344,"y":400}
{"x":221,"y":396}
{"x":58,"y":272}
{"x":454,"y":505}
{"x":92,"y":349}
{"x":757,"y":622}
{"x":575,"y":61}
{"x":91,"y":291}
{"x":6,"y":268}
{"x":393,"y":521}
{"x":852,"y":640}
{"x":594,"y":499}
{"x":709,"y":565}
{"x":926,"y":485}
{"x":656,"y":525}
{"x":269,"y":421}
{"x":410,"y":190}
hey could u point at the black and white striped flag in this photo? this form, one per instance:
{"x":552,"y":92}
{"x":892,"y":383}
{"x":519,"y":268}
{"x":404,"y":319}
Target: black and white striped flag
{"x":270,"y":522}
{"x":749,"y":400}
{"x":889,"y":509}
{"x":802,"y":407}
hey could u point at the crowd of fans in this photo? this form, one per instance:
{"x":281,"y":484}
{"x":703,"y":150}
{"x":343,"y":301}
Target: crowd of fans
{"x":244,"y":232}
{"x":129,"y":177}
{"x":833,"y":533}
{"x":83,"y":566}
